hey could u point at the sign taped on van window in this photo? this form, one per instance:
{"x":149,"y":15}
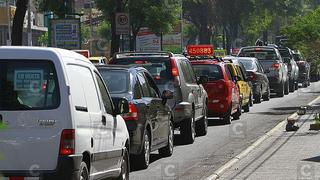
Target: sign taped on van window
{"x":30,"y":80}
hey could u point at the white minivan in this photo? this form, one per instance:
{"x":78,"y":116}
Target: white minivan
{"x":57,"y":120}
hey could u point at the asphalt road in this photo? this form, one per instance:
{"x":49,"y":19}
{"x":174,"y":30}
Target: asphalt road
{"x":200,"y":159}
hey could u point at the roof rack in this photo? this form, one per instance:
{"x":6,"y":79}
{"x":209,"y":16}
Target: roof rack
{"x":213,"y":58}
{"x":134,"y":54}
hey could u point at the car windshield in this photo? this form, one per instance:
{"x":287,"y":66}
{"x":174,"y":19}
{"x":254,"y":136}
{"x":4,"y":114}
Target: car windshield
{"x":28,"y":85}
{"x":117,"y":81}
{"x":260,"y":54}
{"x":285,"y":53}
{"x":159,"y":68}
{"x":212,"y":71}
{"x":248,"y":64}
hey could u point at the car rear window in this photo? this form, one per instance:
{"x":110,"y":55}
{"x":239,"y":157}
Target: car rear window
{"x":159,"y":68}
{"x":117,"y":81}
{"x":212,"y":71}
{"x":248,"y":64}
{"x":285,"y":53}
{"x":260,"y":54}
{"x":28,"y":85}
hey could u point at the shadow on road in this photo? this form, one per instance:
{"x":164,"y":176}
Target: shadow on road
{"x":313,"y":159}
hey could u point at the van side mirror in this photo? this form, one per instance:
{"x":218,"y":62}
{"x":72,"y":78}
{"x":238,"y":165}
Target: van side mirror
{"x":202,"y":79}
{"x":122,"y":107}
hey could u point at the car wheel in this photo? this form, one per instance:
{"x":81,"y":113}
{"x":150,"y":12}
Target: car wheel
{"x":125,"y":166}
{"x":266,"y":96}
{"x":258,"y":97}
{"x":296,"y":86}
{"x":251,"y":100}
{"x":227,"y":116}
{"x":309,"y":82}
{"x":237,"y":114}
{"x":281,"y":90}
{"x":168,"y":150}
{"x":291,"y":87}
{"x":84,"y":173}
{"x":246,"y":108}
{"x":143,"y":159}
{"x":187,"y":130}
{"x":305,"y":84}
{"x":286,"y":89}
{"x":202,"y":124}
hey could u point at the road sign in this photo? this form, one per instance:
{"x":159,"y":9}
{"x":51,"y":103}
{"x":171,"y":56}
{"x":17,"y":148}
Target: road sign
{"x":65,"y":33}
{"x":122,"y":24}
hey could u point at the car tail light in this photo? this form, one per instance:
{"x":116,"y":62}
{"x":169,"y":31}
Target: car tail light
{"x":132,"y":115}
{"x":67,"y":142}
{"x":16,"y":178}
{"x":276,"y":66}
{"x":175,"y":72}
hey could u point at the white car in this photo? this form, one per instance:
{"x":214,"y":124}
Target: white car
{"x":57,"y":120}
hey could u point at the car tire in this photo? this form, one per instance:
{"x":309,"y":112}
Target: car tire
{"x":266,"y":96}
{"x":237,"y":114}
{"x":305,"y":84}
{"x":226,"y":118}
{"x":296,"y":86}
{"x":142,"y":160}
{"x":292,"y":87}
{"x":187,"y":130}
{"x":309,"y":82}
{"x":202,"y":124}
{"x":125,"y":166}
{"x":281,"y":90}
{"x":251,"y":100}
{"x":246,"y":108}
{"x":84,"y":172}
{"x":286,"y":88}
{"x":258,"y":97}
{"x":168,"y":150}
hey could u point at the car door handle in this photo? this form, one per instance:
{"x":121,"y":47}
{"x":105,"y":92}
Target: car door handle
{"x":104,"y":120}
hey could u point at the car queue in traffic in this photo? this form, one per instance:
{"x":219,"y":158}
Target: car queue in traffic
{"x":116,"y":114}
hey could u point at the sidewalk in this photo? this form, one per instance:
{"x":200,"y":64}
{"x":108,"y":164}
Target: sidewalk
{"x":285,"y":155}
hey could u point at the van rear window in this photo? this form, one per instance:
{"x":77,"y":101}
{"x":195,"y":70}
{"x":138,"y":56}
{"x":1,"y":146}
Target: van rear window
{"x":28,"y":85}
{"x":260,"y":54}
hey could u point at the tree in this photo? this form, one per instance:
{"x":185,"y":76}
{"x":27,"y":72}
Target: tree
{"x":201,"y":14}
{"x":17,"y":26}
{"x":59,"y":7}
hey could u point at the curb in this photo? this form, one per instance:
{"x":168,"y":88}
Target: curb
{"x":217,"y":174}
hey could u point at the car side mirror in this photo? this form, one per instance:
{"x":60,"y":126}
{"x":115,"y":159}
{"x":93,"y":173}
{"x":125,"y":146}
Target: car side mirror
{"x":202,"y":79}
{"x":167,"y":94}
{"x":122,"y":107}
{"x":237,"y":78}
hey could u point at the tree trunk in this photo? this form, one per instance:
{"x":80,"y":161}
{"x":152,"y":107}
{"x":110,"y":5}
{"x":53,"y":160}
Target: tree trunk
{"x":17,"y":27}
{"x":115,"y":39}
{"x":204,"y":34}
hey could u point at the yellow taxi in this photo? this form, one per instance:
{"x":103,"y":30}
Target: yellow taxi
{"x":239,"y":75}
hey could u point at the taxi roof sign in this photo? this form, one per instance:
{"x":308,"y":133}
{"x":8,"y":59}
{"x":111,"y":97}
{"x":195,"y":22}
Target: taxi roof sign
{"x":200,"y":50}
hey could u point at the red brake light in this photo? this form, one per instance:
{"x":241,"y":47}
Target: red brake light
{"x":132,"y":115}
{"x":258,"y":49}
{"x":276,"y":65}
{"x":139,"y":62}
{"x":67,"y":142}
{"x":16,"y":178}
{"x":174,"y":68}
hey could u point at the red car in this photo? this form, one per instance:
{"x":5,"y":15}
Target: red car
{"x":223,"y":92}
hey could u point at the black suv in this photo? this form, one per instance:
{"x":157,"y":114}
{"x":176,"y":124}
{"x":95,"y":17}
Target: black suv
{"x":149,"y":120}
{"x":175,"y":73}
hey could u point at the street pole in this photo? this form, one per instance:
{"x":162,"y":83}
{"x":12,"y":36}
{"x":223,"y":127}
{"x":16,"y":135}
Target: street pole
{"x":182,"y":47}
{"x":9,"y":23}
{"x":29,"y":24}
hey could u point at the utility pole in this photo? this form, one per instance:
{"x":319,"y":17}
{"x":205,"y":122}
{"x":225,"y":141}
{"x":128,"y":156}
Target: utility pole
{"x":9,"y":22}
{"x":29,"y":24}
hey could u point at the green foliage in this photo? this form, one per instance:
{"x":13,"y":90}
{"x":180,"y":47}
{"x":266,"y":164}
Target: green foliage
{"x":304,"y":34}
{"x":2,"y":126}
{"x":85,"y":33}
{"x":104,"y":30}
{"x":44,"y":39}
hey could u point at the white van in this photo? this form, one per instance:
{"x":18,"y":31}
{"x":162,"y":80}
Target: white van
{"x":57,"y":120}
